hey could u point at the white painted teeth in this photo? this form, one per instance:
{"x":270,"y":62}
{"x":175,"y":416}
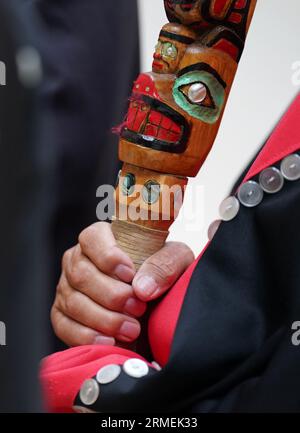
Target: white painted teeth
{"x":148,"y":138}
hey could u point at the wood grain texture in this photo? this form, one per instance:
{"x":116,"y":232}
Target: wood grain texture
{"x":132,"y":207}
{"x":137,"y":241}
{"x":201,"y":134}
{"x":174,"y":114}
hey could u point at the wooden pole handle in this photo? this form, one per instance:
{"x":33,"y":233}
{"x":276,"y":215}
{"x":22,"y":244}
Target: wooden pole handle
{"x":137,"y":241}
{"x":146,"y":205}
{"x":174,"y":116}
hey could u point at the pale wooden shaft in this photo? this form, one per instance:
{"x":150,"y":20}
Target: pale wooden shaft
{"x":138,"y":242}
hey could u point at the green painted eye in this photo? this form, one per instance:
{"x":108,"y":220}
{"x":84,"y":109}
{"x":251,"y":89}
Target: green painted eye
{"x":169,"y":50}
{"x":200,"y":94}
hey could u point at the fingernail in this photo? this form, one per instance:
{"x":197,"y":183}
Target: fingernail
{"x":124,"y":273}
{"x":146,"y":286}
{"x":134,"y":307}
{"x":102,"y":340}
{"x":129,"y":331}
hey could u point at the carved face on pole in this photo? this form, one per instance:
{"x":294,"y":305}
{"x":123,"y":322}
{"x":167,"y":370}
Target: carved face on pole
{"x":173,"y":119}
{"x":175,"y":111}
{"x":203,"y":14}
{"x":174,"y":116}
{"x":172,"y":44}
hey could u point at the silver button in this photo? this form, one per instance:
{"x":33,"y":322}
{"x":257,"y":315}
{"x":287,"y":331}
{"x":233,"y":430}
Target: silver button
{"x":250,"y":194}
{"x":89,"y":392}
{"x":229,"y":208}
{"x":213,"y":228}
{"x":290,"y":167}
{"x":271,"y":180}
{"x":82,"y":409}
{"x":136,"y":367}
{"x":108,"y":374}
{"x":156,"y":366}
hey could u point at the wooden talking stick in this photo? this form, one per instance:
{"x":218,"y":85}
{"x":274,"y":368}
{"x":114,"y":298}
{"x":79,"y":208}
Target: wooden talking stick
{"x":174,"y":116}
{"x":203,"y":15}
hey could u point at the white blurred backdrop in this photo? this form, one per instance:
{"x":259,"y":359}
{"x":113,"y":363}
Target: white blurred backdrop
{"x":262,"y":91}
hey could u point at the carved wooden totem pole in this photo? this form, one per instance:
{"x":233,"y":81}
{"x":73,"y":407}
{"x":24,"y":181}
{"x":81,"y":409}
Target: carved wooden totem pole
{"x":174,"y":116}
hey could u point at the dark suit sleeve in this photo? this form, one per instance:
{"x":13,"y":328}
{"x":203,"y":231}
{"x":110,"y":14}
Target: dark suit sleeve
{"x":23,"y":222}
{"x":90,"y":50}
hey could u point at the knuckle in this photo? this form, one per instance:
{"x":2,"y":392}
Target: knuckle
{"x":89,"y":234}
{"x":85,"y":237}
{"x":111,"y":324}
{"x":66,"y":258}
{"x":55,"y":321}
{"x":59,"y":288}
{"x":52,"y":315}
{"x":59,"y":302}
{"x":183,"y":250}
{"x":164,"y":268}
{"x":60,"y":297}
{"x":86,"y":336}
{"x":78,"y":274}
{"x":117,"y":297}
{"x":109,"y":255}
{"x":72,"y":304}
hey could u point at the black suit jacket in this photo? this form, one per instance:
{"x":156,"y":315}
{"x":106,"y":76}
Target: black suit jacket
{"x":90,"y":51}
{"x":56,"y":148}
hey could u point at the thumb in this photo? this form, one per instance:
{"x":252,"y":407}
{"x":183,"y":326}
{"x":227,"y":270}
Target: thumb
{"x":162,"y":270}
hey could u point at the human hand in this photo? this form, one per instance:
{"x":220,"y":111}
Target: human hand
{"x":100,"y":296}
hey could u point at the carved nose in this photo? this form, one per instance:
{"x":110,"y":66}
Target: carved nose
{"x":157,"y":56}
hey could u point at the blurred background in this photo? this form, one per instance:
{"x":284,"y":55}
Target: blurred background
{"x":69,"y":71}
{"x":70,"y":65}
